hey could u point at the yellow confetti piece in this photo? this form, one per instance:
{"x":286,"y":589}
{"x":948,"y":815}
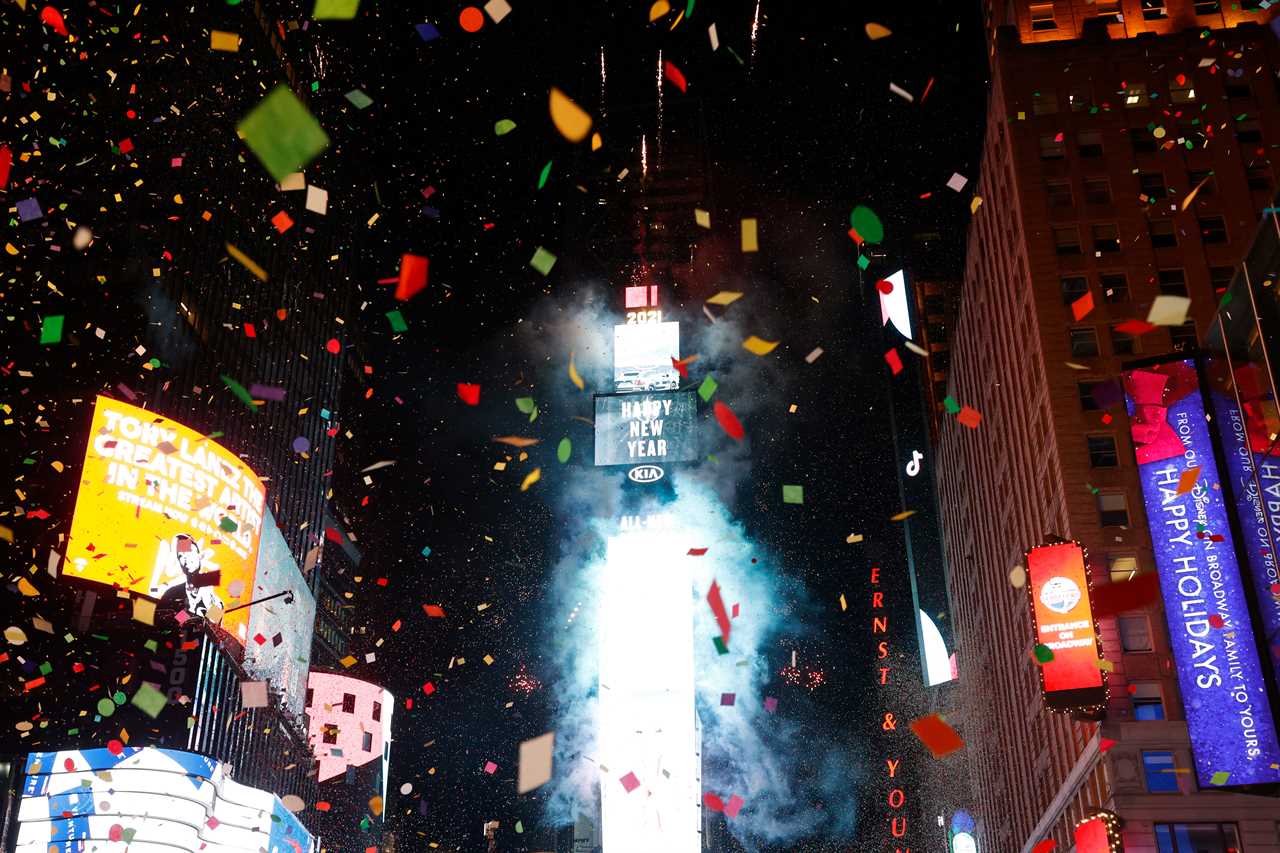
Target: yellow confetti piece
{"x":221,"y":40}
{"x":702,"y":217}
{"x":658,"y":9}
{"x":877,"y":31}
{"x":1191,"y":196}
{"x":348,"y":662}
{"x":573,"y":374}
{"x":516,"y":440}
{"x":488,"y":660}
{"x":570,"y":119}
{"x":903,"y":516}
{"x":1105,"y":665}
{"x":532,"y":477}
{"x":596,"y":142}
{"x":759,"y":346}
{"x":724,"y":297}
{"x":844,"y":605}
{"x":247,"y":262}
{"x":10,"y":248}
{"x":27,"y":588}
{"x":854,"y":538}
{"x":974,"y":204}
{"x":750,"y":237}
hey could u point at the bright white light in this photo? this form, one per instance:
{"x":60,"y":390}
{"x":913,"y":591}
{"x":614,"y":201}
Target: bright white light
{"x":647,"y":717}
{"x":893,"y":305}
{"x":937,"y":662}
{"x":963,"y":842}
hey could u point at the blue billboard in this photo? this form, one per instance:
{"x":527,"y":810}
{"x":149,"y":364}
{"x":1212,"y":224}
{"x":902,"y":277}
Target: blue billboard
{"x":1229,"y":720}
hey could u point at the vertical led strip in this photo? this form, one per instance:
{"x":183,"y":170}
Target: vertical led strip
{"x":647,"y":718}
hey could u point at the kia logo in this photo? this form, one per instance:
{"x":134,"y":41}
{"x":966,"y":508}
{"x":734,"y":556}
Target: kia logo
{"x":645,"y":474}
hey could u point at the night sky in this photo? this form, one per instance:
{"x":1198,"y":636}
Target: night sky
{"x":791,"y":121}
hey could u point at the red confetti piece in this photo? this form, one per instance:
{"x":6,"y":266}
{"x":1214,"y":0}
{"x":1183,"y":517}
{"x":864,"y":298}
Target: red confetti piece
{"x":717,"y":608}
{"x":428,"y":688}
{"x":1216,"y":620}
{"x":282,"y":221}
{"x":1105,"y":744}
{"x":697,"y":552}
{"x":333,"y":346}
{"x":33,"y":684}
{"x":6,"y":160}
{"x":323,"y":806}
{"x":1044,"y":846}
{"x":116,"y":832}
{"x":884,"y":286}
{"x":1135,"y":327}
{"x":734,"y":806}
{"x":969,"y":417}
{"x":630,"y":782}
{"x":675,"y":76}
{"x":894,"y":361}
{"x":115,"y":747}
{"x":434,"y":610}
{"x":53,"y":18}
{"x":125,"y":146}
{"x":679,"y":365}
{"x":469,"y":394}
{"x":729,"y":421}
{"x":413,"y":276}
{"x":712,"y":802}
{"x":939,"y":737}
{"x":68,"y":765}
{"x":250,"y":331}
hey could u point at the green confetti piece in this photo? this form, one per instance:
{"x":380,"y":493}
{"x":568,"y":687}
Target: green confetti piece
{"x":719,"y":643}
{"x":564,"y":450}
{"x":867,"y":224}
{"x":239,"y":390}
{"x":734,"y":54}
{"x":149,"y":700}
{"x":335,"y":10}
{"x":151,"y":645}
{"x":359,"y":99}
{"x":1043,"y":653}
{"x":707,"y":389}
{"x":793,"y":494}
{"x":46,"y":668}
{"x":118,"y":697}
{"x":51,"y":329}
{"x":228,"y":524}
{"x":281,"y":133}
{"x":503,"y":127}
{"x":127,"y":835}
{"x":546,"y":173}
{"x":1219,"y":778}
{"x":426,"y":550}
{"x":950,"y":404}
{"x":526,"y":404}
{"x":688,"y":10}
{"x":1226,"y":300}
{"x":106,"y":707}
{"x":397,"y":321}
{"x":519,"y":827}
{"x":863,"y":262}
{"x":542,"y":261}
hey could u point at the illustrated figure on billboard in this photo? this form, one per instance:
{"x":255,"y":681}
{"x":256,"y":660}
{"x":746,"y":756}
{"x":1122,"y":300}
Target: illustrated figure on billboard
{"x":193,"y":589}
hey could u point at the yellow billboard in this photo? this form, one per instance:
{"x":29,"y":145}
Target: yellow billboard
{"x":164,"y":512}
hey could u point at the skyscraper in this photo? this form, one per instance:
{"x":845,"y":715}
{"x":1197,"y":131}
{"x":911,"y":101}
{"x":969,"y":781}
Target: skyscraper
{"x":1125,"y":159}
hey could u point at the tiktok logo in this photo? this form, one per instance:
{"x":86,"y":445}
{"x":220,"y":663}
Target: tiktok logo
{"x":913,"y":467}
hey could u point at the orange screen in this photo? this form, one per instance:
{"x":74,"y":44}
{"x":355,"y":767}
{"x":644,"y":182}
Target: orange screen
{"x":1064,"y":618}
{"x":162,"y":509}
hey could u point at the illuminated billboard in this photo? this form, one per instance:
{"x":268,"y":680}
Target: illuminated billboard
{"x":1233,"y":735}
{"x":164,"y":512}
{"x":642,"y":354}
{"x":279,"y":646}
{"x":1062,"y":617}
{"x":646,"y":429}
{"x":349,"y":723}
{"x":148,"y":799}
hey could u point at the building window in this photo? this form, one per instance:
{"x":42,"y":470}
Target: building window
{"x":1042,"y":17}
{"x":1135,"y":632}
{"x":329,"y":734}
{"x":1153,"y":10}
{"x":1238,"y":90}
{"x":1162,"y":234}
{"x":1084,"y":342}
{"x":1135,"y":94}
{"x":1142,"y":140}
{"x":1089,"y":144}
{"x":366,"y":741}
{"x":377,"y":711}
{"x":1248,"y":130}
{"x":1151,"y":184}
{"x":1123,"y":343}
{"x":1079,"y":97}
{"x":1197,"y":838}
{"x":1106,"y":238}
{"x":311,"y":696}
{"x":1184,"y":337}
{"x":1115,"y":286}
{"x":1052,"y":147}
{"x":1220,"y":278}
{"x":1085,"y":391}
{"x":1172,"y":282}
{"x":1207,"y":7}
{"x":1205,"y":176}
{"x":1044,"y":103}
{"x":1122,"y":567}
{"x":348,"y":703}
{"x":1067,"y":240}
{"x":1059,"y":193}
{"x":1259,"y":178}
{"x":1109,"y":11}
{"x":1213,"y":229}
{"x":1113,"y":509}
{"x":1097,"y":191}
{"x":1102,"y":451}
{"x":1158,"y":767}
{"x":1182,"y":90}
{"x":1148,"y":701}
{"x":1073,"y":287}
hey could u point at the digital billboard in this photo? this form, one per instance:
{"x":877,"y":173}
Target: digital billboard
{"x":164,"y":512}
{"x":279,"y":646}
{"x":148,"y":799}
{"x":1062,"y":616}
{"x":349,"y":723}
{"x":646,"y":429}
{"x":642,"y":354}
{"x":1219,"y":671}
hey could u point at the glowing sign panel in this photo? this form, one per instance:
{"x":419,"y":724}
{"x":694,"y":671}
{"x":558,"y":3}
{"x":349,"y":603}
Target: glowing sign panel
{"x":642,"y":353}
{"x":645,"y":429}
{"x":1063,"y":618}
{"x":165,"y":512}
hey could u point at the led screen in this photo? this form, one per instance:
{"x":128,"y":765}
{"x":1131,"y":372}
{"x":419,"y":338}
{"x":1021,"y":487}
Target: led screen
{"x":349,"y":721}
{"x":148,"y":800}
{"x":279,"y":647}
{"x":646,"y":429}
{"x":167,"y":513}
{"x":642,"y":354}
{"x":1062,"y":612}
{"x":1228,"y":718}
